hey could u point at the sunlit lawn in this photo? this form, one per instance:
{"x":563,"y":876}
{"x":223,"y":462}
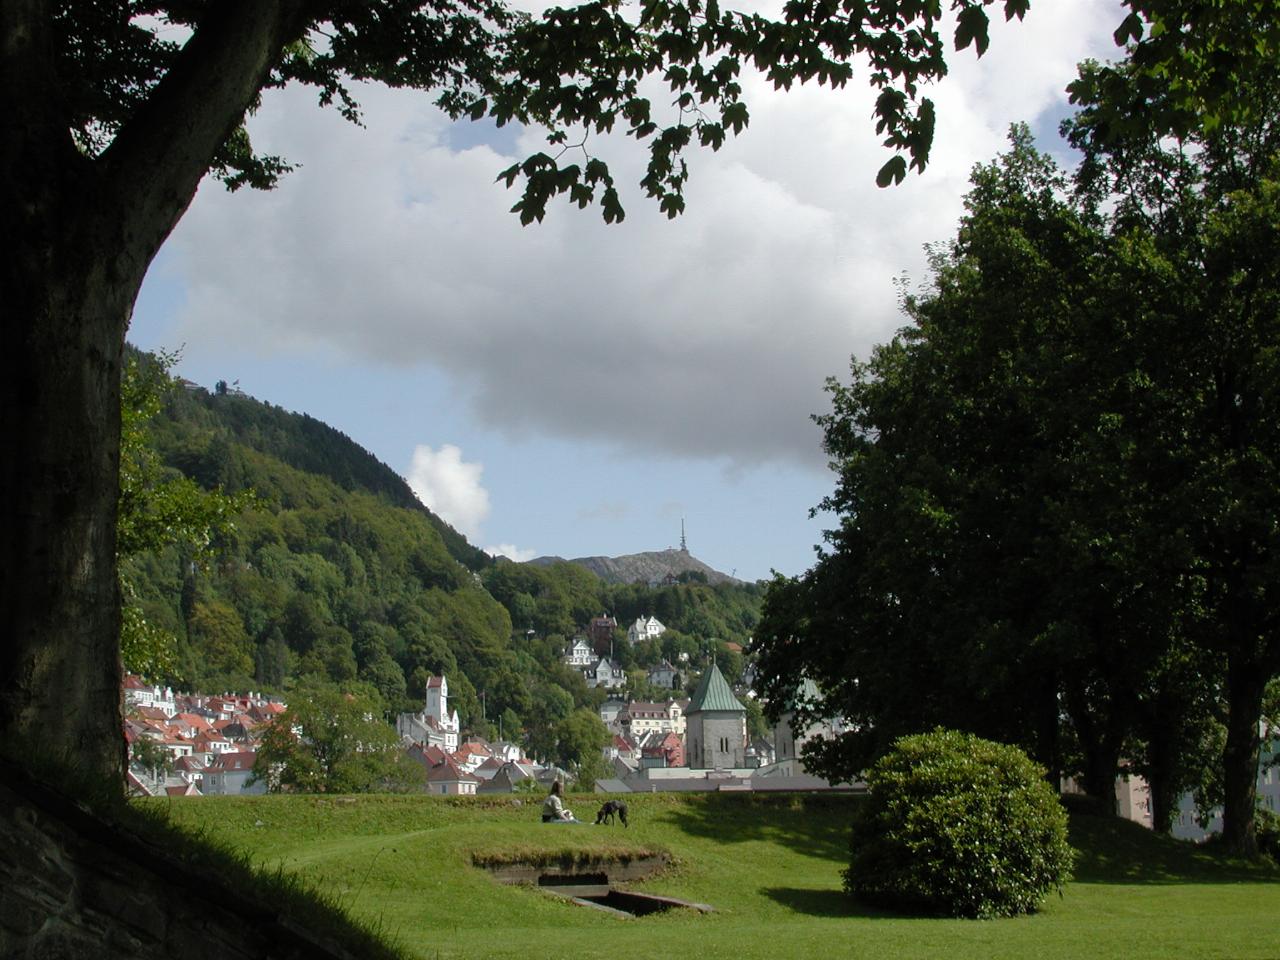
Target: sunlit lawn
{"x":769,"y":865}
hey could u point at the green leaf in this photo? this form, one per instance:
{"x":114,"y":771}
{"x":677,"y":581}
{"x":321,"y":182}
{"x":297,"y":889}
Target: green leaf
{"x":893,"y":172}
{"x":971,"y":27}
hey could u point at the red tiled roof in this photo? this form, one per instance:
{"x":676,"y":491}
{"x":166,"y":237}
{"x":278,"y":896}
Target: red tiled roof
{"x":448,"y":772}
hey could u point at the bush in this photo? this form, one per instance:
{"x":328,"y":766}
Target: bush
{"x":959,"y":826}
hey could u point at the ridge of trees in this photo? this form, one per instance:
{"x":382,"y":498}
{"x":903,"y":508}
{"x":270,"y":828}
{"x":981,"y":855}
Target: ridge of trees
{"x":317,"y":582}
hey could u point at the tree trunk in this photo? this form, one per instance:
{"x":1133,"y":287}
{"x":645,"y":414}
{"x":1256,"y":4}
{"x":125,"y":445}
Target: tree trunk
{"x":1246,"y":683}
{"x":1162,"y":779}
{"x":88,"y":227}
{"x":60,"y":395}
{"x":1101,"y":751}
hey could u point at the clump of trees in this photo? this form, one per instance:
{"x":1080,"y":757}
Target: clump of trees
{"x":1056,"y":487}
{"x":334,"y":740}
{"x":959,"y":826}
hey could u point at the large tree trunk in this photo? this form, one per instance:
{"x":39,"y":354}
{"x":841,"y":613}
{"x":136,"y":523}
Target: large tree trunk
{"x":1246,"y":683}
{"x":60,"y":396}
{"x":87,"y":227}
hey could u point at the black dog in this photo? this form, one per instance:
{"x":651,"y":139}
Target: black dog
{"x":610,"y":808}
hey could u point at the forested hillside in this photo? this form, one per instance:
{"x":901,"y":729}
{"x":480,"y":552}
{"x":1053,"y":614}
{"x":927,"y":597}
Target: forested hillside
{"x":335,"y":571}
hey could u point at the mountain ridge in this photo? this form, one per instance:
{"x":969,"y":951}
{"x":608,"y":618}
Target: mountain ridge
{"x":648,"y":567}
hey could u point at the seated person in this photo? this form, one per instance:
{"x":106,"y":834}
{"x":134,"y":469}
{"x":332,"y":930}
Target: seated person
{"x":554,"y":810}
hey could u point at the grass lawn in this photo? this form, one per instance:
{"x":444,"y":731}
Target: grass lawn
{"x":769,"y":865}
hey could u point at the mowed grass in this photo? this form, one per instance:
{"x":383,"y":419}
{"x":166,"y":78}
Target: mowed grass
{"x":770,"y":865}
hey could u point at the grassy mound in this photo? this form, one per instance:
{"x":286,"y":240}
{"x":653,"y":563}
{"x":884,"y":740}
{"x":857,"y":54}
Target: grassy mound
{"x":770,"y":865}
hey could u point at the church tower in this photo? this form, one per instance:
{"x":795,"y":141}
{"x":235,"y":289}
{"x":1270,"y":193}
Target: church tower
{"x":715,"y":725}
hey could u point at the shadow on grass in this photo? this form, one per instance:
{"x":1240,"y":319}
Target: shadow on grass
{"x":1114,"y":850}
{"x":821,"y":903}
{"x":816,"y":825}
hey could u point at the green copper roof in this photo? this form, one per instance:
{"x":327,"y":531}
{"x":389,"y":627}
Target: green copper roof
{"x":713,"y":693}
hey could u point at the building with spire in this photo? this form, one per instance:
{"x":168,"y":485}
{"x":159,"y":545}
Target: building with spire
{"x":715,"y":725}
{"x":435,"y":724}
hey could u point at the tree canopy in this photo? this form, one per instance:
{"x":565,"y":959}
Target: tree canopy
{"x":1057,"y":487}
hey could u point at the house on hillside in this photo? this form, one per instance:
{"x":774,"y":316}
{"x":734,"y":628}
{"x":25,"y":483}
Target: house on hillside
{"x":471,"y":755}
{"x":640,"y":718}
{"x":662,"y":750}
{"x":664,"y":675}
{"x":645,"y":628}
{"x":609,"y":712}
{"x":605,"y":673}
{"x":580,"y":654}
{"x":140,"y":694}
{"x":600,"y":631}
{"x":508,"y":778}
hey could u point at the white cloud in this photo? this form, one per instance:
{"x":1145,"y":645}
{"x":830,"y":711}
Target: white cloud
{"x":706,"y":337}
{"x":512,"y":552}
{"x":450,"y":487}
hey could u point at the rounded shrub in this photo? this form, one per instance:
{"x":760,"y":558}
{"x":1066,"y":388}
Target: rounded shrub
{"x":959,"y":826}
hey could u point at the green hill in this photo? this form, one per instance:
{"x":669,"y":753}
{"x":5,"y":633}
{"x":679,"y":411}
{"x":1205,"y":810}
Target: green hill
{"x":338,"y":571}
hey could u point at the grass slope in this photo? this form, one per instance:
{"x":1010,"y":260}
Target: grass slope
{"x":770,"y":865}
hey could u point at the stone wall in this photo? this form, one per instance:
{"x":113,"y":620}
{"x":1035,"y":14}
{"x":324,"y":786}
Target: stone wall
{"x":73,"y":886}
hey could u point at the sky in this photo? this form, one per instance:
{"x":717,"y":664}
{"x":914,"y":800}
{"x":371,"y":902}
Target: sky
{"x":573,"y":388}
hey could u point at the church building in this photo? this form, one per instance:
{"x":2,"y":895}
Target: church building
{"x":715,"y":725}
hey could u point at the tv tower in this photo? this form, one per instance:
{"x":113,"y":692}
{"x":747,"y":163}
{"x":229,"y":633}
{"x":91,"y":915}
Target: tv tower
{"x":684,"y":544}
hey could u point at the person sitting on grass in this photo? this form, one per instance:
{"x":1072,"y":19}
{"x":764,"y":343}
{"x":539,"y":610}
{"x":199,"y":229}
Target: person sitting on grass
{"x":554,"y":810}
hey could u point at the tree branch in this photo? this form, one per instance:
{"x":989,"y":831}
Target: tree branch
{"x":156,"y":162}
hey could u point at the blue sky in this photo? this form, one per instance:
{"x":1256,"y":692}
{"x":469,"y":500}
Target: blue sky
{"x":571,"y":388}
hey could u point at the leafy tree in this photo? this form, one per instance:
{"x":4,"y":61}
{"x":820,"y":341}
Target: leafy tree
{"x":1053,"y":487}
{"x":333,"y":741}
{"x":580,"y":738}
{"x":1198,"y":211}
{"x":114,"y":124}
{"x":157,"y":509}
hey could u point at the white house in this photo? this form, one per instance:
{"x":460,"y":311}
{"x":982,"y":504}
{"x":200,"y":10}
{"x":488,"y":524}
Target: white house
{"x":605,"y":673}
{"x":645,"y":629}
{"x":641,"y":718}
{"x":139,"y":694}
{"x":580,"y":654}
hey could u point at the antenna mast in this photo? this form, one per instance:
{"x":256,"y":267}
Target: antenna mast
{"x":684,"y":544}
